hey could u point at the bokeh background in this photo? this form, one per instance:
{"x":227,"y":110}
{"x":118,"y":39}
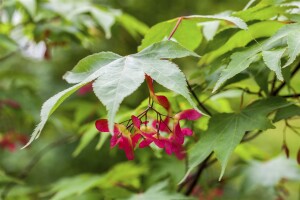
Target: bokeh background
{"x":56,"y":162}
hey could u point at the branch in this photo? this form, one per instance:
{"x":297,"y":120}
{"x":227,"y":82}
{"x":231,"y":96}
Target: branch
{"x":197,"y":99}
{"x":277,"y":90}
{"x":201,"y":168}
{"x":291,"y":96}
{"x":251,"y":137}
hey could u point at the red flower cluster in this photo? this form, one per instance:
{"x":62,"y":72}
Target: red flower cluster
{"x":138,"y":133}
{"x":11,"y":140}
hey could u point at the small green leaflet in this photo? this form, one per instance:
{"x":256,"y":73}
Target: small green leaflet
{"x":116,"y":77}
{"x":188,"y":34}
{"x":273,"y":61}
{"x":241,"y":60}
{"x":226,"y":130}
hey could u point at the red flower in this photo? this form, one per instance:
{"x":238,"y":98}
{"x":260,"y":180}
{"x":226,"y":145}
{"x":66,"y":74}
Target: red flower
{"x":12,"y":140}
{"x":179,"y":134}
{"x":121,"y":137}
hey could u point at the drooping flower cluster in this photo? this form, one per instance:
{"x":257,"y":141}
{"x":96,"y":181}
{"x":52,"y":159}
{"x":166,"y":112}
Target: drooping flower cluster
{"x":165,"y":131}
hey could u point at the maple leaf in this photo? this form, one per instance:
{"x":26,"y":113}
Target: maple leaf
{"x":116,"y":77}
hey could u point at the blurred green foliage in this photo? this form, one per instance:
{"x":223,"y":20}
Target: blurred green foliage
{"x":40,"y":40}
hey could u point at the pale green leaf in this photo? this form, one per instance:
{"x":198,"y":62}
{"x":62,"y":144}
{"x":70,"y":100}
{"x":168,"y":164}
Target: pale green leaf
{"x":226,"y":130}
{"x":117,"y":82}
{"x":235,"y":20}
{"x":273,"y":61}
{"x":188,"y":34}
{"x":88,"y":65}
{"x":120,"y":80}
{"x":165,"y":49}
{"x":239,"y":62}
{"x":117,"y":77}
{"x":104,"y":18}
{"x":210,"y":29}
{"x":269,"y":174}
{"x":293,"y":42}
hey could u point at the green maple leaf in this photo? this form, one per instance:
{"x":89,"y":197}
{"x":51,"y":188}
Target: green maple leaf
{"x":226,"y":130}
{"x":116,"y":77}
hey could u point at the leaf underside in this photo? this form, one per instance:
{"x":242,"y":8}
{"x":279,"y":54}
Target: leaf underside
{"x":115,"y":77}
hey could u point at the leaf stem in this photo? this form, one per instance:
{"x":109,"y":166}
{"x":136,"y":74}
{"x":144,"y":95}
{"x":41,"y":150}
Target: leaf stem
{"x":200,"y":170}
{"x":176,"y":27}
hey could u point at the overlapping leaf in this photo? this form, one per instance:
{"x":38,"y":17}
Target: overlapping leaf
{"x":226,"y":130}
{"x":241,"y":60}
{"x":242,"y":38}
{"x":287,"y":112}
{"x":116,"y":77}
{"x":188,"y":32}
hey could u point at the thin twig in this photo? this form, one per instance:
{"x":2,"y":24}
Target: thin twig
{"x":201,"y":168}
{"x":246,"y":139}
{"x":277,"y":90}
{"x":290,"y":96}
{"x":175,"y":28}
{"x":197,"y":99}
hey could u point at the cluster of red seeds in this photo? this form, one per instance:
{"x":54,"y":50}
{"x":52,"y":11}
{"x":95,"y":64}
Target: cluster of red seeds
{"x":164,"y":132}
{"x":11,"y":140}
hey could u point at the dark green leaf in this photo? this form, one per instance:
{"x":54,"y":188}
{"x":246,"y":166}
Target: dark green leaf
{"x":225,"y":131}
{"x":287,"y":112}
